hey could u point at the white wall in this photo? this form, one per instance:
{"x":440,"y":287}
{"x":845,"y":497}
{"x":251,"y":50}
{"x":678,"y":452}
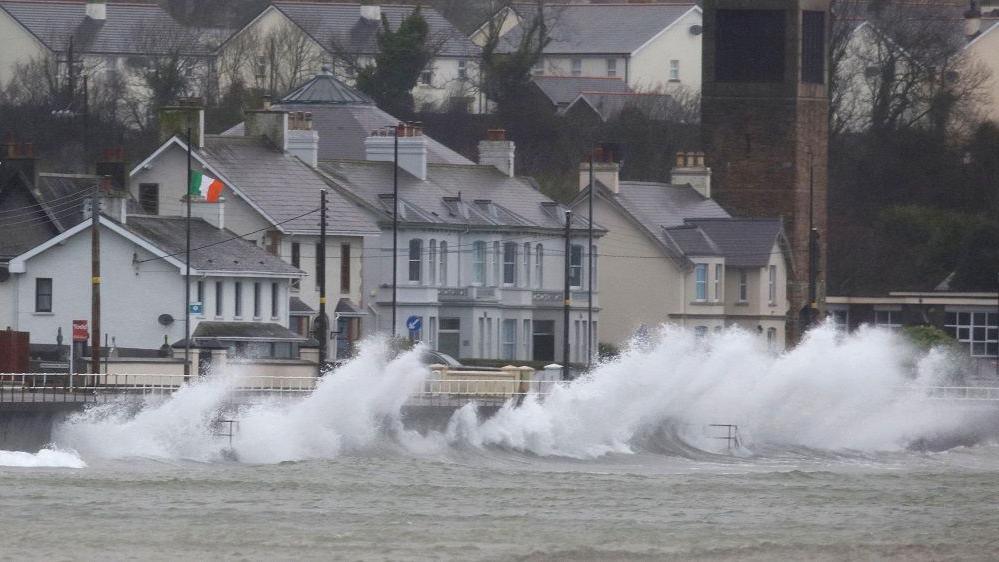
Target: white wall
{"x":19,"y":47}
{"x":133,"y":295}
{"x":650,"y":65}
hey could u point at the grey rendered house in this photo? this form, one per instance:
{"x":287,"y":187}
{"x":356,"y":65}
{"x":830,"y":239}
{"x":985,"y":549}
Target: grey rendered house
{"x":481,"y":253}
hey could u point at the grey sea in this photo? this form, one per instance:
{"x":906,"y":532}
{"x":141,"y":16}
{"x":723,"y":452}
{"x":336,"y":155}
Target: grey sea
{"x":495,"y":505}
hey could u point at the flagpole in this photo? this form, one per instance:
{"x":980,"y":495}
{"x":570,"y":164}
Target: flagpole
{"x":187,"y":274}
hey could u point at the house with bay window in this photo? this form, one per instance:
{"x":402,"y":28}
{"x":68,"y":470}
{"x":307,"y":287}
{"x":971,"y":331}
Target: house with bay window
{"x":480,"y":265}
{"x":672,"y":255}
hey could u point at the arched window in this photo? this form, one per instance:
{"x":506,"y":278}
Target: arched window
{"x":479,"y":262}
{"x":442,"y":278}
{"x":539,"y":266}
{"x":432,"y":263}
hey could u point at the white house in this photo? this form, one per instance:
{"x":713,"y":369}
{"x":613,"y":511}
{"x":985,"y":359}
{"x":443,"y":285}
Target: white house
{"x":673,"y":255}
{"x":243,"y":290}
{"x":110,"y":43}
{"x":650,"y":46}
{"x":272,"y":198}
{"x":290,"y":41}
{"x":481,"y":253}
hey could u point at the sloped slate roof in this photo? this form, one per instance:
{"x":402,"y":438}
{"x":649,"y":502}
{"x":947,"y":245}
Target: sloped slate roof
{"x":31,"y":215}
{"x":225,"y":251}
{"x":341,"y":25}
{"x":658,"y":205}
{"x":609,"y":105}
{"x":245,"y":331}
{"x":344,"y":117}
{"x":128,"y":29}
{"x":452,"y":195}
{"x":743,"y":242}
{"x":324,"y":88}
{"x":565,"y":89}
{"x":600,"y":28}
{"x":283,"y":186}
{"x":689,"y":240}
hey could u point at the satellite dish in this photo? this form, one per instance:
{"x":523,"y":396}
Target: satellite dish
{"x":696,"y":30}
{"x":165,"y":319}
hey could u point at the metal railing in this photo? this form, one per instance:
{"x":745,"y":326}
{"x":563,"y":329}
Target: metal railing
{"x":963,"y":393}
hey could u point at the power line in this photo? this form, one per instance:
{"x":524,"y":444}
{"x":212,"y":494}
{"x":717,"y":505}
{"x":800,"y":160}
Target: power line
{"x":78,"y":195}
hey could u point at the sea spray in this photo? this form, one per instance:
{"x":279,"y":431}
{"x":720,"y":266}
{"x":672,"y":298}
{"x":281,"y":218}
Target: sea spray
{"x":832,"y":392}
{"x":46,"y":458}
{"x":351,"y":409}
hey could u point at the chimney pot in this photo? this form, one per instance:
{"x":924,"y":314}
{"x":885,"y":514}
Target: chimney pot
{"x":266,"y":103}
{"x":496,"y":134}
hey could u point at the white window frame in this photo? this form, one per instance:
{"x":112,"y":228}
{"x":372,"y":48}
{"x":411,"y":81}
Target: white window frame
{"x":889,"y":318}
{"x":539,"y":266}
{"x":612,"y":68}
{"x":576,"y":66}
{"x":772,"y":285}
{"x":432,"y":262}
{"x":509,"y":270}
{"x":463,"y":69}
{"x":975,"y":327}
{"x":442,"y":277}
{"x":674,"y":70}
{"x":417,"y":261}
{"x":743,"y":285}
{"x":509,"y":342}
{"x":701,"y":282}
{"x":719,"y":273}
{"x":527,"y":265}
{"x":479,"y":262}
{"x":576,"y":268}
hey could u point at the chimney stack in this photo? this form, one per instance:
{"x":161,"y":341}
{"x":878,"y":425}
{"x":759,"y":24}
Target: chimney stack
{"x":497,"y":151}
{"x":973,"y":20}
{"x":19,"y":157}
{"x":97,"y":10}
{"x":379,"y":147}
{"x":188,"y":113}
{"x":690,"y":170}
{"x":269,"y":123}
{"x":605,"y":171}
{"x":303,"y":141}
{"x":371,"y":14}
{"x":112,"y":165}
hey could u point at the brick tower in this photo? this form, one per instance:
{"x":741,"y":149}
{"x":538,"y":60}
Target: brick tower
{"x":765,"y":121}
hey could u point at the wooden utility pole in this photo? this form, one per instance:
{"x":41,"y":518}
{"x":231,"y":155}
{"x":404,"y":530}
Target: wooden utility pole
{"x":322,"y":330}
{"x":567,"y":301}
{"x":95,"y":283}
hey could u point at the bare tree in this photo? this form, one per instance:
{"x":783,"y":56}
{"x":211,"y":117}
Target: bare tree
{"x":898,"y":66}
{"x":288,"y":57}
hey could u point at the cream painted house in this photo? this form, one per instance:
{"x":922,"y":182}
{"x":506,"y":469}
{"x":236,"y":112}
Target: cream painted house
{"x":672,"y":255}
{"x":649,"y":46}
{"x":289,"y":42}
{"x":983,"y":49}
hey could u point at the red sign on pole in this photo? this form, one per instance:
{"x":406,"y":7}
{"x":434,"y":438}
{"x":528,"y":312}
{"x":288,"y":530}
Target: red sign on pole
{"x":80,"y":332}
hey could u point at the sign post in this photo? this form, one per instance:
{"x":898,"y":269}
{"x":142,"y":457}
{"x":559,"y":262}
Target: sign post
{"x":80,"y":335}
{"x":414,"y":324}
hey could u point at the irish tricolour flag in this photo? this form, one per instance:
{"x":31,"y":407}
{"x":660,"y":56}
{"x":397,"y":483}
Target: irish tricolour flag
{"x":205,"y":187}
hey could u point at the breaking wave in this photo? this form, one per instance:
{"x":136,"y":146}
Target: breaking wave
{"x":46,"y":458}
{"x":665,"y":395}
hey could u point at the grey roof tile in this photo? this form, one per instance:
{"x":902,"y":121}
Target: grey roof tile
{"x":341,"y":24}
{"x":244,"y":331}
{"x":601,"y":28}
{"x":743,"y":242}
{"x":691,"y":241}
{"x":344,"y":117}
{"x":283,"y":186}
{"x":225,"y":251}
{"x":609,"y":105}
{"x":452,"y":194}
{"x":658,"y":205}
{"x":125,"y":31}
{"x":30,"y":215}
{"x":563,"y":90}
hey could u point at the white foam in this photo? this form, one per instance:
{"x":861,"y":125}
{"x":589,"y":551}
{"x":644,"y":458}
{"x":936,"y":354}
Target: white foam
{"x":46,"y":458}
{"x":834,"y":392}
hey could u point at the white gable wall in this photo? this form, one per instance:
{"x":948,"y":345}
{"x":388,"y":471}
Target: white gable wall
{"x":19,"y":47}
{"x":650,"y":65}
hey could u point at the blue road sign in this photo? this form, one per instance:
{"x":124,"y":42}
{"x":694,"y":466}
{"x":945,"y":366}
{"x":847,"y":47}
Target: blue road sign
{"x":414,"y":323}
{"x":197,"y":308}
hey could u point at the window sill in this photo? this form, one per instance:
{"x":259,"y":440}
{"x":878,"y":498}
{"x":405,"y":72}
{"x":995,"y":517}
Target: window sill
{"x":741,"y":303}
{"x":43,"y":313}
{"x":674,"y":80}
{"x":237,"y":318}
{"x":218,"y":318}
{"x":257,"y":318}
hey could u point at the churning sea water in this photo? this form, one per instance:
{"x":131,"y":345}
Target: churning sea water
{"x":835,"y":463}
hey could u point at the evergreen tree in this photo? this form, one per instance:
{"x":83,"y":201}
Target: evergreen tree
{"x":402,"y":55}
